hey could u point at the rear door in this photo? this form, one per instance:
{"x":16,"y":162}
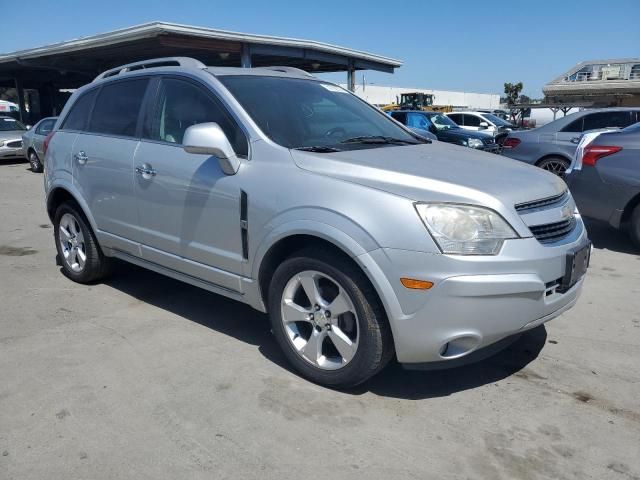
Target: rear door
{"x":43,"y":129}
{"x":103,"y":161}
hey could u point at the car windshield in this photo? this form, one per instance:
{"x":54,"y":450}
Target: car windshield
{"x":496,"y":120}
{"x":9,"y":124}
{"x":442,"y":122}
{"x":308,"y":114}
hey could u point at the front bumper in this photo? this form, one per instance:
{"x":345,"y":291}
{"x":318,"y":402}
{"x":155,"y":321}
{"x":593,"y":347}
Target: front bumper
{"x":475,"y":301}
{"x":7,"y":152}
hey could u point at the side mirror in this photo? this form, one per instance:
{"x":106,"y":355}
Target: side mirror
{"x":209,"y":139}
{"x":484,"y":125}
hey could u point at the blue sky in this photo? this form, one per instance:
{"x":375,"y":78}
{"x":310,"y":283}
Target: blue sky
{"x":456,"y":45}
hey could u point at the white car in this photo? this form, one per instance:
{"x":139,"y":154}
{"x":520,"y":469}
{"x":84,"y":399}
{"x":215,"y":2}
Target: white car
{"x":483,"y":122}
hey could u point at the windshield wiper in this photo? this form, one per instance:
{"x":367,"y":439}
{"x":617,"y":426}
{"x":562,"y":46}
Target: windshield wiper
{"x":379,"y":139}
{"x":318,"y":149}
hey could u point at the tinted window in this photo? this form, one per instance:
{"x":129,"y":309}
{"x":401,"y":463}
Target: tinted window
{"x":400,"y":116}
{"x":117,"y":108}
{"x":575,"y":126}
{"x":45,"y":127}
{"x":8,"y":124}
{"x":301,"y":113}
{"x":78,"y":117}
{"x":182,"y":104}
{"x":472,"y":121}
{"x":456,"y":117}
{"x":597,"y":120}
{"x":417,"y":120}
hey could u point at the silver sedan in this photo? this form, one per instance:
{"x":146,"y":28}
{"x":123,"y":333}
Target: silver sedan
{"x":33,"y":142}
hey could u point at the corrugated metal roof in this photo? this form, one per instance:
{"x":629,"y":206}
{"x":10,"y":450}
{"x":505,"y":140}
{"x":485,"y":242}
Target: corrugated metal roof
{"x":154,"y":29}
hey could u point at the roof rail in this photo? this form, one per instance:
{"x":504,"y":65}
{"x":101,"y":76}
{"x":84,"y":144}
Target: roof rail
{"x":299,"y":71}
{"x":152,"y":63}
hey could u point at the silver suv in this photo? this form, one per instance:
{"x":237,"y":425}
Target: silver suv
{"x":285,"y":192}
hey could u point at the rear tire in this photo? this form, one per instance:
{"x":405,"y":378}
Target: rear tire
{"x":78,"y":250}
{"x":556,"y":165}
{"x":634,"y":226}
{"x":34,"y":161}
{"x":353,"y":343}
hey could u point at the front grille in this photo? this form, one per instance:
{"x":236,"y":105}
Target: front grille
{"x":14,"y":144}
{"x":551,"y":232}
{"x":543,"y":203}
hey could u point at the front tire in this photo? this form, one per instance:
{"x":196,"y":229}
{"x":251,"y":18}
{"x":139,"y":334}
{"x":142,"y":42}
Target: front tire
{"x":328,"y":319}
{"x":78,"y":250}
{"x":34,"y":161}
{"x":556,"y":165}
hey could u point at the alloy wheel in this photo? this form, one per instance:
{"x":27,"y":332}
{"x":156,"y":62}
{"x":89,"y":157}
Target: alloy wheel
{"x":557,"y":167}
{"x":72,"y":243}
{"x":320,"y":320}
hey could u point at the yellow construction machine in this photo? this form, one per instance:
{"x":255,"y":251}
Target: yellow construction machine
{"x":416,"y":101}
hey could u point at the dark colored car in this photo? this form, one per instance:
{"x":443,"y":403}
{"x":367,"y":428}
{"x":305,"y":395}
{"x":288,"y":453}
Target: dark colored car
{"x":446,"y":129}
{"x":606,"y":183}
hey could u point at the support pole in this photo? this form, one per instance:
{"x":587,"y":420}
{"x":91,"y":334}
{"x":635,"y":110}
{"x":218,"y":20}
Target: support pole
{"x":351,"y":77}
{"x":245,"y":58}
{"x":21,"y":104}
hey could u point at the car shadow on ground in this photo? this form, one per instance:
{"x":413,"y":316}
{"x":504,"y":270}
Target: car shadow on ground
{"x":606,"y":237}
{"x":250,"y":326}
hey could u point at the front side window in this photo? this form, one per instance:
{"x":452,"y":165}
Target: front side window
{"x":598,"y":120}
{"x":117,"y":108}
{"x":182,"y":104}
{"x":471,"y":121}
{"x":45,"y":127}
{"x":496,"y":120}
{"x":417,"y":120}
{"x":442,"y":122}
{"x":8,"y":124}
{"x":300,"y":113}
{"x":78,"y":117}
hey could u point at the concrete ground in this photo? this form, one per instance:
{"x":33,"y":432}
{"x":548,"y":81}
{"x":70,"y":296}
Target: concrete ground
{"x":144,"y":377}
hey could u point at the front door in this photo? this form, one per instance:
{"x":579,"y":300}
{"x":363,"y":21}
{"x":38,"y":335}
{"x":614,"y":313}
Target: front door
{"x":189,"y":209}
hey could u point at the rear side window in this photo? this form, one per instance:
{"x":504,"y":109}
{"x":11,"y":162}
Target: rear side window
{"x":597,"y":120}
{"x":456,"y":117}
{"x":400,"y":116}
{"x":471,"y":121}
{"x":182,"y":104}
{"x":117,"y":108}
{"x":575,"y":126}
{"x":78,"y":117}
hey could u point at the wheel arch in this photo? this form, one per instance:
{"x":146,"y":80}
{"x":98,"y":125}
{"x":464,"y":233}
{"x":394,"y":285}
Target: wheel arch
{"x":552,"y":155}
{"x":629,"y":208}
{"x":63,"y":193}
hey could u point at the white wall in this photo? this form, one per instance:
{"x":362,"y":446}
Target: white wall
{"x":379,"y":95}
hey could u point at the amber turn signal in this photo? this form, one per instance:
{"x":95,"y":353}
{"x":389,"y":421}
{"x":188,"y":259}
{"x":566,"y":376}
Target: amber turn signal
{"x":416,"y":284}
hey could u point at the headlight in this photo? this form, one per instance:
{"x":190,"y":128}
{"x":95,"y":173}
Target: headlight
{"x":465,"y":229}
{"x":475,"y":143}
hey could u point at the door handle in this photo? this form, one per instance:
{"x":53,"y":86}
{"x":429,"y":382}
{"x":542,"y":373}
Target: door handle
{"x":81,"y":157}
{"x":575,"y":140}
{"x":146,"y":171}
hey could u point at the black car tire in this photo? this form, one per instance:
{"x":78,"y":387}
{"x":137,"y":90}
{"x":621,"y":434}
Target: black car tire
{"x":34,"y":161}
{"x":634,"y":226}
{"x":375,"y":343}
{"x":96,"y":265}
{"x":555,"y":165}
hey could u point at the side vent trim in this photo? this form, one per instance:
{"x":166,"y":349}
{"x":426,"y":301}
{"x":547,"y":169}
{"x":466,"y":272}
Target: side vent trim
{"x":244,"y":224}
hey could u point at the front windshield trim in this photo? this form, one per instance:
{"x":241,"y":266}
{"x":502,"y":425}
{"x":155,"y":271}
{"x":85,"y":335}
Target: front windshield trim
{"x":339,"y":114}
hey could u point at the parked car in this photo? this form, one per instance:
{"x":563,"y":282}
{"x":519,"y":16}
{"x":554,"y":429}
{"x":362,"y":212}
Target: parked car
{"x":483,"y":122}
{"x":33,"y":142}
{"x":605,"y":180}
{"x":11,"y":131}
{"x":445,"y":130}
{"x":292,"y":195}
{"x":552,"y":146}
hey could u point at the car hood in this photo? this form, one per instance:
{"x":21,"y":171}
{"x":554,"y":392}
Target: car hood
{"x":437,"y":172}
{"x":461,"y":133}
{"x":11,"y":135}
